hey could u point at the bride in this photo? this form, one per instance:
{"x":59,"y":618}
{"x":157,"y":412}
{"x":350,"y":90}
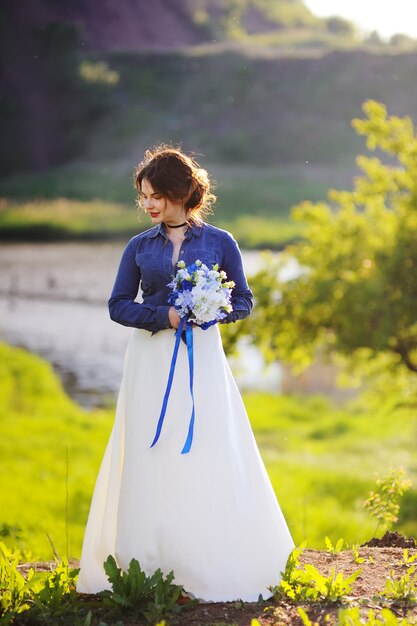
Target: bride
{"x":210,"y":515}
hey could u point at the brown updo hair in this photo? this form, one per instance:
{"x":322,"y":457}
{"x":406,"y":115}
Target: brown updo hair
{"x":177,"y":177}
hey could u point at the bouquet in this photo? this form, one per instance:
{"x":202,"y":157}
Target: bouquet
{"x":201,"y":295}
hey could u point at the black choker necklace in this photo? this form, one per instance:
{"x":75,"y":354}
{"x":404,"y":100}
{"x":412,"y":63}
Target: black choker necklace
{"x":176,"y":225}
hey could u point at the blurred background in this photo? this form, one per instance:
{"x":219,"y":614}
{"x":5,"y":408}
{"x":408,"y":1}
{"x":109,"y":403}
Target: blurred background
{"x":263,"y":93}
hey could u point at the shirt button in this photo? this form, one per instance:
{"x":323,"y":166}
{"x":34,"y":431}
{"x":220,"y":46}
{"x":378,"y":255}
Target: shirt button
{"x":182,"y":252}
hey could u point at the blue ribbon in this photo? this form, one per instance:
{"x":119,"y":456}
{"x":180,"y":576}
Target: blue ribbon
{"x":189,"y":342}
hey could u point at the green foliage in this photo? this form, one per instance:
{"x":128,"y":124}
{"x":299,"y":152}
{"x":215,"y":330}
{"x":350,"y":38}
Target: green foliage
{"x":44,"y":597}
{"x":14,"y":588}
{"x":229,"y":21}
{"x":357,"y":286}
{"x":57,"y":596}
{"x":332,"y":588}
{"x":304,"y":617}
{"x":307,"y":584}
{"x":320,"y":457}
{"x":38,"y":424}
{"x":67,"y":219}
{"x":408,"y":560}
{"x":62,"y":203}
{"x":352,"y":617}
{"x":333,"y":549}
{"x":98,"y":72}
{"x":384,"y":503}
{"x":327,"y":484}
{"x":336,"y":24}
{"x":291,"y":584}
{"x":358,"y":559}
{"x":137,"y":595}
{"x":402,"y":590}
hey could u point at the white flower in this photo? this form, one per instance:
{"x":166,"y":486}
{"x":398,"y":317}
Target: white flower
{"x":209,"y":298}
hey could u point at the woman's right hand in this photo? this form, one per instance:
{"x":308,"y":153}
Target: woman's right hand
{"x":174,"y":318}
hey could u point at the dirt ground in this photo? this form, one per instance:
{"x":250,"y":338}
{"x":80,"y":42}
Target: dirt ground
{"x":381,"y":558}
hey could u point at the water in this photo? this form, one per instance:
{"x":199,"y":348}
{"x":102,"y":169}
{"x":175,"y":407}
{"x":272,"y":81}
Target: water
{"x":53,"y":301}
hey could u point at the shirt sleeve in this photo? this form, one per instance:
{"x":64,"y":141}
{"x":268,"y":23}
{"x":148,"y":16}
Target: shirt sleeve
{"x":242,"y":296}
{"x":122,"y":306}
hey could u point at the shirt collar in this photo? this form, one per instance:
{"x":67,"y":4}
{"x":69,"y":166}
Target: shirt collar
{"x":193,"y":230}
{"x":155,"y":231}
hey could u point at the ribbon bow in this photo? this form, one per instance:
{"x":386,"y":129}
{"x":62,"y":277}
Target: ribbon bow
{"x":189,"y":343}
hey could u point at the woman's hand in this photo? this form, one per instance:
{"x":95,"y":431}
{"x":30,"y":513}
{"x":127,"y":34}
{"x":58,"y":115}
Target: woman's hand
{"x":174,"y":318}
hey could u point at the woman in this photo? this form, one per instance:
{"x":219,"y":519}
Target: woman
{"x":209,"y":515}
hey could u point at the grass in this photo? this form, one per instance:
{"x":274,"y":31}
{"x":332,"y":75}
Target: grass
{"x":298,"y":40}
{"x":97,"y":201}
{"x":321,"y":459}
{"x":329,"y":456}
{"x":67,"y":219}
{"x":39,"y":423}
{"x":104,"y":182}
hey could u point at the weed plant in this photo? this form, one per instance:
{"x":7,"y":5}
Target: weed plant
{"x":333,"y":549}
{"x":135,"y":595}
{"x":352,"y":617}
{"x":306,"y":584}
{"x":44,"y":598}
{"x":402,"y":590}
{"x":408,"y":560}
{"x":358,"y":559}
{"x":384,"y":503}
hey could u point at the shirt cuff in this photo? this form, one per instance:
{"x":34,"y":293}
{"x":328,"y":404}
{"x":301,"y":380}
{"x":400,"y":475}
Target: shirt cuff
{"x":162,"y":317}
{"x":230,"y":317}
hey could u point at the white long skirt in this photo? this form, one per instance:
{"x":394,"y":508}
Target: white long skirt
{"x":210,"y":515}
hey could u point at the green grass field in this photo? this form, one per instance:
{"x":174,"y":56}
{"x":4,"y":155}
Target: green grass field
{"x":77,"y":202}
{"x":321,"y":459}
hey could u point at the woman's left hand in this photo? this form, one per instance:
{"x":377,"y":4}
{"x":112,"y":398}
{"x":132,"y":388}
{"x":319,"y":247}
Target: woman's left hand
{"x":174,"y":318}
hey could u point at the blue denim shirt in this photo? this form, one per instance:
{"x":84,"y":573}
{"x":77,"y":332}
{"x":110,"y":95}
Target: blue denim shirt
{"x":147,"y":262}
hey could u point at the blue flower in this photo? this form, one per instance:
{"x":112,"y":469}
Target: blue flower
{"x":201,"y":295}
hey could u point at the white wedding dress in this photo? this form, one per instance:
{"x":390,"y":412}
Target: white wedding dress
{"x":210,"y":515}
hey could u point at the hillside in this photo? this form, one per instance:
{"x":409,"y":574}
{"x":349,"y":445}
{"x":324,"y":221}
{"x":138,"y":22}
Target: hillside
{"x":161,"y":24}
{"x":50,"y":105}
{"x":249,"y":109}
{"x":240,"y":82}
{"x":227,"y":105}
{"x":272,"y":130}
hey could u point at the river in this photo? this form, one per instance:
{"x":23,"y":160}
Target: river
{"x":53,"y":301}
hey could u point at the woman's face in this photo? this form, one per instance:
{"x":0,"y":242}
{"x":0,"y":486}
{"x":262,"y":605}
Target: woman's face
{"x":160,"y":209}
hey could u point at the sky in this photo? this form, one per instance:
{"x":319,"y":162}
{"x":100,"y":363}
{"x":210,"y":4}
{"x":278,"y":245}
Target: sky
{"x":385,"y":16}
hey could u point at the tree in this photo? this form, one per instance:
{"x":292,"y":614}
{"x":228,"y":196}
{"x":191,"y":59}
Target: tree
{"x":400,"y":40}
{"x":340,"y":26}
{"x":374,"y":39}
{"x":48,"y":104}
{"x":356,"y":293}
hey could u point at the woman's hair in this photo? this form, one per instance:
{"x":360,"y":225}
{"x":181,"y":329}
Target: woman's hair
{"x":177,"y":177}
